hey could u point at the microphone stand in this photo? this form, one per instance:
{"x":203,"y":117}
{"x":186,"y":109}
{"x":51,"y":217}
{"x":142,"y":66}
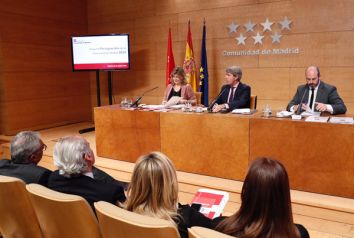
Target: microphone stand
{"x":210,"y":108}
{"x":135,"y":103}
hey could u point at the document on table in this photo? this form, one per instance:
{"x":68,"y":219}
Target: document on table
{"x":317,"y":119}
{"x":242,"y":111}
{"x":154,"y":107}
{"x":173,"y":101}
{"x":310,"y":113}
{"x":342,"y":120}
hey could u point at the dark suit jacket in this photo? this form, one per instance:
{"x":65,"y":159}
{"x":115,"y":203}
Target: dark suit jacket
{"x":326,"y":94}
{"x":91,"y":189}
{"x":242,"y":96}
{"x":29,"y":173}
{"x":104,"y":177}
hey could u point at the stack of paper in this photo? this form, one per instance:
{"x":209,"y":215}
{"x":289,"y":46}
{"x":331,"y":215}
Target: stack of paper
{"x":173,"y":101}
{"x":310,"y":113}
{"x":284,"y":114}
{"x":242,"y":111}
{"x":342,"y":120}
{"x":153,"y":107}
{"x":317,"y":119}
{"x":212,"y":202}
{"x":179,"y":106}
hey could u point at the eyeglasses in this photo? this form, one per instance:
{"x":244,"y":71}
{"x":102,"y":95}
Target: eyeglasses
{"x":42,"y":148}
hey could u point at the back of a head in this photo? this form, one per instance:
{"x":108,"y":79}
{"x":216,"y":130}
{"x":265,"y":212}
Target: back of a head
{"x":69,"y":153}
{"x":153,"y":189}
{"x":266,"y":205}
{"x":23,"y":145}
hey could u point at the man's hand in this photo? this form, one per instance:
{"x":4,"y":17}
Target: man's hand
{"x":321,"y":107}
{"x":303,"y":107}
{"x":217,"y":107}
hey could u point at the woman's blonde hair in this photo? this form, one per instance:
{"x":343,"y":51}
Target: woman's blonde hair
{"x":179,"y":71}
{"x":153,"y":190}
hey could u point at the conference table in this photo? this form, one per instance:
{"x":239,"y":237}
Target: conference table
{"x":319,"y":157}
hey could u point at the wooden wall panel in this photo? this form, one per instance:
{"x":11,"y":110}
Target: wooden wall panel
{"x":44,"y":85}
{"x":44,"y":113}
{"x":51,"y":35}
{"x":67,"y":11}
{"x":2,"y":93}
{"x":38,"y":87}
{"x":328,"y":49}
{"x":322,"y":29}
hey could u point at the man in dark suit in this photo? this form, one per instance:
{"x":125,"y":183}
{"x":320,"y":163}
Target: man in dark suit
{"x":102,"y":176}
{"x":316,"y":95}
{"x":26,"y":152}
{"x":75,"y":159}
{"x":234,"y":94}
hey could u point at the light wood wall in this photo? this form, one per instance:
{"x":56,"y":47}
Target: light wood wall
{"x":37,"y":87}
{"x":322,"y":29}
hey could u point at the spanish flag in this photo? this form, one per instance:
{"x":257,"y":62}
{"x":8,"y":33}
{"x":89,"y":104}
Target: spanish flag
{"x":170,"y":58}
{"x":189,"y":62}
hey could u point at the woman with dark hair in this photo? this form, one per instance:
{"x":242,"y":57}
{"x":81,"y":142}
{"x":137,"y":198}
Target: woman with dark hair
{"x":265,"y":210}
{"x":179,"y":87}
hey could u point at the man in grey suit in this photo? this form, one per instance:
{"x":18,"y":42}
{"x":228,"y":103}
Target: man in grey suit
{"x":316,"y":95}
{"x":26,"y":151}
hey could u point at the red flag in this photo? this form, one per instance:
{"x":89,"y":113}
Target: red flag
{"x":170,"y":58}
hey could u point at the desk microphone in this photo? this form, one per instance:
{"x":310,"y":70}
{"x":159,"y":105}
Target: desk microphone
{"x":135,"y":103}
{"x":210,"y":108}
{"x":298,"y":111}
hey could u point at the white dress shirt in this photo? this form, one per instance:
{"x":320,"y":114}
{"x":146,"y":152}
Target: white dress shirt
{"x":88,"y":174}
{"x":329,"y":107}
{"x":231,"y":92}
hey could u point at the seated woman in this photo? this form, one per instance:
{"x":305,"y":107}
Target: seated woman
{"x":179,"y":87}
{"x":153,"y":191}
{"x":265,"y":205}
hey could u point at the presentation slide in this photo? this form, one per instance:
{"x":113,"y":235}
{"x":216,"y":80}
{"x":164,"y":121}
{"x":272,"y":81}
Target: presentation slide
{"x":104,"y":52}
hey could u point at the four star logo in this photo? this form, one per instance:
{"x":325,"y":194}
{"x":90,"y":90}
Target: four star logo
{"x":260,"y":31}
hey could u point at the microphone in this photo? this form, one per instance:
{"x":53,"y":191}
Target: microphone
{"x":135,"y":103}
{"x":298,"y":111}
{"x":210,"y":108}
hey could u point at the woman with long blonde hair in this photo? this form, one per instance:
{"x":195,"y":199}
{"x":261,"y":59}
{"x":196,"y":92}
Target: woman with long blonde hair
{"x":153,"y":191}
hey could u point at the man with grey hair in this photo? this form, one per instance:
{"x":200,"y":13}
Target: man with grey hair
{"x":316,"y":95}
{"x":75,"y":159}
{"x":26,"y":152}
{"x":234,"y":94}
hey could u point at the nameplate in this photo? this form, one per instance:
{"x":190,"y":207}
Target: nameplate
{"x":296,"y":117}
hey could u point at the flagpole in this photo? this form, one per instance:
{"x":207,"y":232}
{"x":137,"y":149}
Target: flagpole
{"x":203,"y":76}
